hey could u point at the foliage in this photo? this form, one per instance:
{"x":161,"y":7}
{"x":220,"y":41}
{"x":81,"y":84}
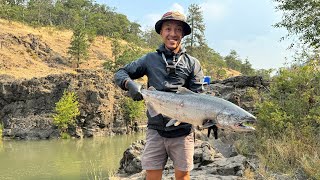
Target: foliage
{"x":123,"y":55}
{"x":288,"y":129}
{"x":96,"y":19}
{"x":116,"y":48}
{"x":66,"y":111}
{"x":211,"y":61}
{"x":293,"y":101}
{"x":220,"y":73}
{"x":246,"y":68}
{"x":233,"y":61}
{"x":65,"y":135}
{"x":79,"y":45}
{"x":195,"y":20}
{"x":264,"y":73}
{"x":152,"y":38}
{"x":301,"y":18}
{"x":133,"y":110}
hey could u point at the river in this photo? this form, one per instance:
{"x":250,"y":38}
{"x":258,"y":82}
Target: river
{"x":90,"y":158}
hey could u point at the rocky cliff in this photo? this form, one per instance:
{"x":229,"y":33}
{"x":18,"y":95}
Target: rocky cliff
{"x":27,"y":106}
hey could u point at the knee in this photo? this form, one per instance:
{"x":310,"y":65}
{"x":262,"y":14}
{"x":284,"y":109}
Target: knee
{"x":182,"y":175}
{"x":154,"y":174}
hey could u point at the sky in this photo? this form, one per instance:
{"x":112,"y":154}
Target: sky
{"x":241,"y":25}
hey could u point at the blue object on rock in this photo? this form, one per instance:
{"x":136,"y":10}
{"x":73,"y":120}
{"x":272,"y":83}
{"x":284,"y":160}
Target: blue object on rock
{"x":207,"y":79}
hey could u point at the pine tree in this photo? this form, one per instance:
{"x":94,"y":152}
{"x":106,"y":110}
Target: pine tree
{"x":79,"y":45}
{"x":233,"y":60}
{"x":195,"y":20}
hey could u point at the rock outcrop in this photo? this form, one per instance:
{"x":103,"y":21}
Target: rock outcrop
{"x":27,"y":106}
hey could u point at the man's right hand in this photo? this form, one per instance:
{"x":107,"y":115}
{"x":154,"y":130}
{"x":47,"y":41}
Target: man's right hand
{"x":134,"y":90}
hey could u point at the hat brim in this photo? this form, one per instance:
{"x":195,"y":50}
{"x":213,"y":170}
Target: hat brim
{"x":186,"y":27}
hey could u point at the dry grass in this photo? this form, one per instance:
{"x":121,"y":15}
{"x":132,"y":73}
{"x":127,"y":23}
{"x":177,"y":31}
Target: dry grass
{"x":289,"y":155}
{"x":18,"y":61}
{"x":231,"y":72}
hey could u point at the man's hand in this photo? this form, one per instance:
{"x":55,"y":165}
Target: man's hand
{"x":134,"y":90}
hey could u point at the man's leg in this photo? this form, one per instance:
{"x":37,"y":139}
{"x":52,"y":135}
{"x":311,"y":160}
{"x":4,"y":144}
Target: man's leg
{"x":154,"y":174}
{"x":182,"y":175}
{"x":154,"y":156}
{"x":181,"y":150}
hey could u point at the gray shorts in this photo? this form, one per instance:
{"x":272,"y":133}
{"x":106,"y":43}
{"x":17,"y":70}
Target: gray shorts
{"x":158,"y":149}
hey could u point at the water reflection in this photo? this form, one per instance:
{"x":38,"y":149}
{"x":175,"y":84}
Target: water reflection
{"x":63,"y":159}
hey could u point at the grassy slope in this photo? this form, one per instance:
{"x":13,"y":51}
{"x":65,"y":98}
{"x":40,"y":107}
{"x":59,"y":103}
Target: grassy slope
{"x":15,"y":59}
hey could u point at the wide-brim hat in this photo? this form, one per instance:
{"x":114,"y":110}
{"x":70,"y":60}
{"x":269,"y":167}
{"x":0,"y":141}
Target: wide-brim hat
{"x":173,"y":15}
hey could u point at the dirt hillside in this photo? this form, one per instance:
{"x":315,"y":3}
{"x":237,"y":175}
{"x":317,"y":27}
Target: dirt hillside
{"x":27,"y":52}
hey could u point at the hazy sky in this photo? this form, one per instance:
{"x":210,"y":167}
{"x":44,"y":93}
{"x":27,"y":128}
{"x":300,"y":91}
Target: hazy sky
{"x":241,"y":25}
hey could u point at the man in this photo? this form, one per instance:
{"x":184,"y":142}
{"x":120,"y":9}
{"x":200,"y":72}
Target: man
{"x":167,"y":69}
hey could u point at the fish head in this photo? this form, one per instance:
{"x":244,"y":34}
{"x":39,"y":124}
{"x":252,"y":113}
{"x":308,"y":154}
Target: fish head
{"x":236,"y":121}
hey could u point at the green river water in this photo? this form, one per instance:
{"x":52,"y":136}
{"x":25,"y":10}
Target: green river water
{"x":92,"y":158}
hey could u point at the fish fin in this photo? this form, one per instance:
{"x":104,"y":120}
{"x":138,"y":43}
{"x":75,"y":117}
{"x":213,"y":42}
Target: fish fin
{"x":151,"y":110}
{"x":215,"y":133}
{"x":183,"y":90}
{"x":177,"y":123}
{"x":172,"y":122}
{"x":151,"y":88}
{"x":208,"y":123}
{"x":214,"y":128}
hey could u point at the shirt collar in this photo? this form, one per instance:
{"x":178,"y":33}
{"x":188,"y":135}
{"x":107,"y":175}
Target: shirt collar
{"x":168,"y":53}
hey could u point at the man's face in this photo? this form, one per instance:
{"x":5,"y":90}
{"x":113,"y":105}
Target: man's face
{"x":172,"y":33}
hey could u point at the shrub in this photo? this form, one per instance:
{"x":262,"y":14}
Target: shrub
{"x":293,"y":102}
{"x":123,"y":55}
{"x":288,"y":129}
{"x":289,"y":122}
{"x":67,"y":109}
{"x":133,"y":110}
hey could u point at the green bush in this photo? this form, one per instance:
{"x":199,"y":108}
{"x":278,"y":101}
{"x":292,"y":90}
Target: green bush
{"x":66,"y":111}
{"x":65,"y":135}
{"x":133,"y":110}
{"x":123,"y":55}
{"x":288,"y":128}
{"x":293,"y":102}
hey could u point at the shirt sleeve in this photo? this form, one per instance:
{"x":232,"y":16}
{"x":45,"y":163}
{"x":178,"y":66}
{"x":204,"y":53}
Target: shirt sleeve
{"x":133,"y":70}
{"x":196,"y":80}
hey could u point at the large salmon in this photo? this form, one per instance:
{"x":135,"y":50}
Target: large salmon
{"x":197,"y":109}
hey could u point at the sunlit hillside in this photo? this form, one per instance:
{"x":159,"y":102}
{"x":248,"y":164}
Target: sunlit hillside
{"x":19,"y":60}
{"x":23,"y":51}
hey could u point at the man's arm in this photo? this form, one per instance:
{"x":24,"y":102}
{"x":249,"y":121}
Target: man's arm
{"x":196,"y":80}
{"x":133,"y":70}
